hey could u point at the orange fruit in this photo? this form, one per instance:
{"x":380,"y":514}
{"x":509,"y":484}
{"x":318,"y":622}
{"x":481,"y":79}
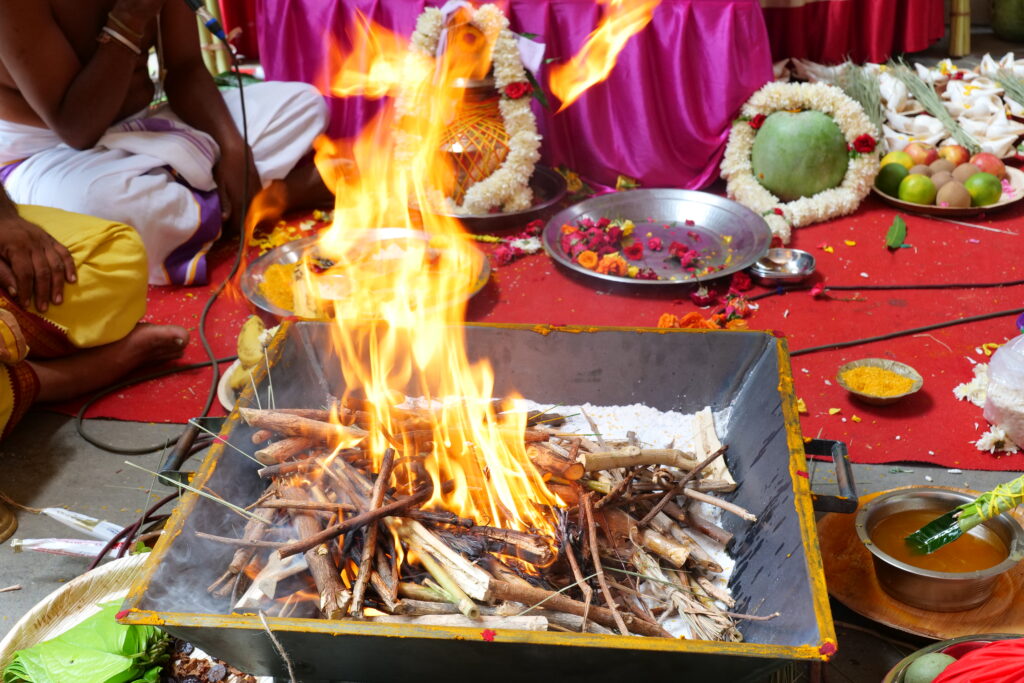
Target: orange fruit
{"x":917,"y":189}
{"x":984,"y":189}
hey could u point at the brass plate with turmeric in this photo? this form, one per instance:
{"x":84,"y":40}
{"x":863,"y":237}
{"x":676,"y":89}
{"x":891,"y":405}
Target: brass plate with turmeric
{"x":266,"y":280}
{"x":902,"y":369}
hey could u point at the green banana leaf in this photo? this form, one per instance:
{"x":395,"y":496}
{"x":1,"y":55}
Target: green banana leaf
{"x":98,"y":650}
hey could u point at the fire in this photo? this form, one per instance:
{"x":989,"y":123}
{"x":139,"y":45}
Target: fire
{"x":594,"y":61}
{"x":399,"y":294}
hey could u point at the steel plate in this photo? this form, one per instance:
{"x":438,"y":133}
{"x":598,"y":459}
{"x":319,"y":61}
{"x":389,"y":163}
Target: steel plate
{"x":549,"y":189}
{"x":729,"y":234}
{"x":292,"y":253}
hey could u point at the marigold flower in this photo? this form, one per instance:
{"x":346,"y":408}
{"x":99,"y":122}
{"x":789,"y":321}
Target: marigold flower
{"x":612,"y":264}
{"x":568,"y":229}
{"x":587,"y":259}
{"x":668,"y":320}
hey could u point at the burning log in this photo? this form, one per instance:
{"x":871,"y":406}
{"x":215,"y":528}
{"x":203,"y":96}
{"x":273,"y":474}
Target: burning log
{"x":287,"y":424}
{"x":287,"y":504}
{"x":370,"y":537}
{"x":322,"y":536}
{"x":333,"y":596}
{"x":527,"y":547}
{"x":282,"y":450}
{"x":547,"y":461}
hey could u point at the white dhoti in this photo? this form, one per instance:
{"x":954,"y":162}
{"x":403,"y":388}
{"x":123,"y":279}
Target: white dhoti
{"x":155,"y":173}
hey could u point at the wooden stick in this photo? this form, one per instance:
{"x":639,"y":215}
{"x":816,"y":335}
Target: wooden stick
{"x":287,"y":424}
{"x":618,"y":489}
{"x":588,"y":592}
{"x":301,"y":466}
{"x":387,"y":575}
{"x":595,"y":555}
{"x":439,"y":517}
{"x":333,"y":596}
{"x":384,"y":592}
{"x":678,"y":488}
{"x":355,"y":522}
{"x":308,"y":413}
{"x":718,"y":502}
{"x":706,"y":527}
{"x":243,"y":542}
{"x":473,"y":580}
{"x":283,"y":504}
{"x":631,"y":455}
{"x":530,"y":595}
{"x":261,"y":435}
{"x":547,"y":461}
{"x":282,"y":450}
{"x":530,"y":623}
{"x":568,"y":621}
{"x":370,"y":535}
{"x":715,"y":591}
{"x":415,"y":591}
{"x":454,"y":591}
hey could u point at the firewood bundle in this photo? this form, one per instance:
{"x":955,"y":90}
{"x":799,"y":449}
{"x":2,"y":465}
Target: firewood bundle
{"x":634,"y":549}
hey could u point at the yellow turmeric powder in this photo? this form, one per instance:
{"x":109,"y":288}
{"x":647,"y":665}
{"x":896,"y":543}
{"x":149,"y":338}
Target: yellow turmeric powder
{"x":277,"y":284}
{"x":876,"y":381}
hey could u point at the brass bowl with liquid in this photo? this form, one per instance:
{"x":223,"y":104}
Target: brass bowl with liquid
{"x":939,"y":591}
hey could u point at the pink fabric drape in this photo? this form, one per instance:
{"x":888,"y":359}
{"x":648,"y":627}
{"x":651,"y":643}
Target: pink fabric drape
{"x":831,"y":31}
{"x":663,"y":116}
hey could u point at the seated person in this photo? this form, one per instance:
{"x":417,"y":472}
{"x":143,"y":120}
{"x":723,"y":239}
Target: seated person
{"x":72,"y":291}
{"x":78,"y":132}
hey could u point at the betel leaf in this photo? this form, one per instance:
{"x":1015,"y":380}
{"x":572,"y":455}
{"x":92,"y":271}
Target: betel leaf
{"x":538,"y":92}
{"x":98,"y":650}
{"x":897,"y":233}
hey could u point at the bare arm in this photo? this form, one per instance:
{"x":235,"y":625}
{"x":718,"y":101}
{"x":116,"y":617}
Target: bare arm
{"x":77,"y":101}
{"x":194,"y":97}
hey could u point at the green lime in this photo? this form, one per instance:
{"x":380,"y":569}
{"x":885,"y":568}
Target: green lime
{"x":917,"y":189}
{"x":984,"y":189}
{"x":888,"y":179}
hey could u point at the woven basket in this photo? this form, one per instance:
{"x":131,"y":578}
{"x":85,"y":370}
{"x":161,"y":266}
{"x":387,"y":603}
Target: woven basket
{"x":71,"y":604}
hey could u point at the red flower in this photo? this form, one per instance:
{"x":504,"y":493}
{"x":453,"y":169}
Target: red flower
{"x":956,"y":76}
{"x":703,"y":297}
{"x":818,"y":291}
{"x":634,"y":252}
{"x":757,"y":121}
{"x":518,"y":89}
{"x":778,"y":212}
{"x":488,"y":635}
{"x":654,"y":244}
{"x":865,"y":144}
{"x":740,"y":282}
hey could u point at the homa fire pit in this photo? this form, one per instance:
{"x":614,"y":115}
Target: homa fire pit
{"x":778,"y":567}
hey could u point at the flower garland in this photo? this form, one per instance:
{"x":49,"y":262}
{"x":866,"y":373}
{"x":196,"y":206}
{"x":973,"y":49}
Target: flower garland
{"x":509,"y":185}
{"x":838,"y":201}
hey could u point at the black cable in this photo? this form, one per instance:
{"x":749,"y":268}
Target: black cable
{"x":214,"y":361}
{"x":853,"y":288}
{"x":902,"y":333}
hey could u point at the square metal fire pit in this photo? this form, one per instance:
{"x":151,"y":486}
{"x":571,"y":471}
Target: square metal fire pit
{"x":778,"y":565}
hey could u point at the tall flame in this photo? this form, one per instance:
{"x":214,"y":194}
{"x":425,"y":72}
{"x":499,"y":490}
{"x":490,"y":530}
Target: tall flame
{"x":594,"y":61}
{"x":399,"y":307}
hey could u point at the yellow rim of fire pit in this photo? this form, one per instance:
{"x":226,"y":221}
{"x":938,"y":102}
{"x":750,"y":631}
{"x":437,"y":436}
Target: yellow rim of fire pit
{"x":901,"y":369}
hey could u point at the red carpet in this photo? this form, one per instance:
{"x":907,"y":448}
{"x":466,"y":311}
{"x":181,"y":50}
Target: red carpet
{"x":931,"y":426}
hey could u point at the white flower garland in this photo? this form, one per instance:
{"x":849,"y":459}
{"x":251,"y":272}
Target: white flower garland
{"x":509,"y":185}
{"x":838,"y":201}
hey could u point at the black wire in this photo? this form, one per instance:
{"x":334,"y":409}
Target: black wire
{"x":853,"y":288}
{"x":214,"y":361}
{"x":902,"y":333}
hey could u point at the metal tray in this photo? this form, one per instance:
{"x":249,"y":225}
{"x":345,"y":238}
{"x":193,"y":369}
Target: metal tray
{"x":549,"y":188}
{"x":778,"y":564}
{"x":730,"y":235}
{"x":293,"y":252}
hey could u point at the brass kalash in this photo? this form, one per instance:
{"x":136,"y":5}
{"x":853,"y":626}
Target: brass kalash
{"x":401,"y":333}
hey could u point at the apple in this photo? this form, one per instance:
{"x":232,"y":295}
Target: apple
{"x":955,"y":154}
{"x":990,"y":163}
{"x":921,"y":152}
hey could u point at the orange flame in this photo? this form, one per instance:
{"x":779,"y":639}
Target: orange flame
{"x":399,"y":280}
{"x":594,"y":61}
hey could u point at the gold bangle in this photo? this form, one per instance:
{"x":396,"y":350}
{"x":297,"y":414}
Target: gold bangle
{"x":124,"y":28}
{"x":112,"y":33}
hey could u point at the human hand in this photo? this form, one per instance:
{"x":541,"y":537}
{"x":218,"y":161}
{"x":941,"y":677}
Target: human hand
{"x":230,"y":175}
{"x":33,"y":264}
{"x":137,"y":13}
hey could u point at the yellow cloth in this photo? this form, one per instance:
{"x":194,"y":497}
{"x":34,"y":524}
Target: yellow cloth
{"x":102,"y":306}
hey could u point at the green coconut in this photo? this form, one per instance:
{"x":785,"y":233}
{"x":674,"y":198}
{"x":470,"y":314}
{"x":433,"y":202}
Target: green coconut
{"x":799,"y":154}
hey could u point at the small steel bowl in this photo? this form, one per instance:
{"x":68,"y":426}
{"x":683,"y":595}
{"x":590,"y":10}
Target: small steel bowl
{"x":925,"y":588}
{"x":781,"y":266}
{"x":901,"y":369}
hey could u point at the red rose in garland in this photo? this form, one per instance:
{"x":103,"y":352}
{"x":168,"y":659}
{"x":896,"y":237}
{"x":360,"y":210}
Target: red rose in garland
{"x":865,"y":144}
{"x":518,"y":89}
{"x":757,"y":121}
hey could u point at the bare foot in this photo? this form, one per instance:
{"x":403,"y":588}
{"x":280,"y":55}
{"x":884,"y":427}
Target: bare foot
{"x":91,"y":369}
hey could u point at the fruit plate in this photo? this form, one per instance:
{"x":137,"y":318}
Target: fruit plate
{"x":1013,"y":175}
